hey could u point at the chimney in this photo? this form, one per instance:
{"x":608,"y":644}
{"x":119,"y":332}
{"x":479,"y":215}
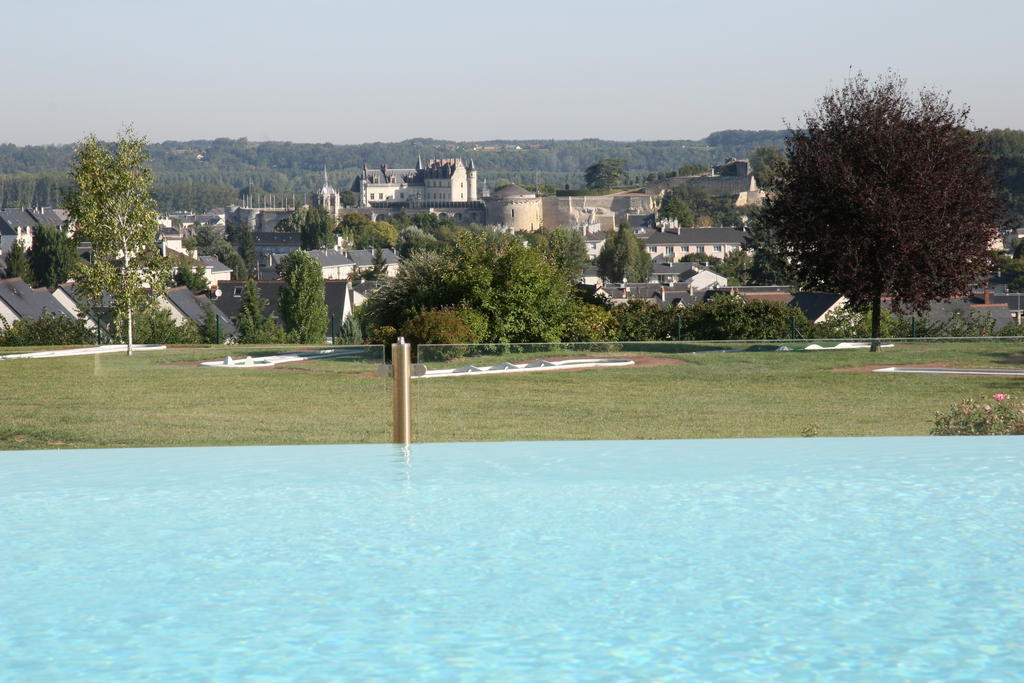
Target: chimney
{"x":663,"y":294}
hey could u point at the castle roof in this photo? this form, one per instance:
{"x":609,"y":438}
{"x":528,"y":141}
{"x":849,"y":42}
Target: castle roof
{"x":512,"y":191}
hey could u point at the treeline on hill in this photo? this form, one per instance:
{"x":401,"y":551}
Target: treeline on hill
{"x":202,"y":175}
{"x":207,"y":174}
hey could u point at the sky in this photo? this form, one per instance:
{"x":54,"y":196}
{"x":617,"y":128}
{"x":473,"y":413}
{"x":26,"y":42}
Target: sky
{"x":364,"y":71}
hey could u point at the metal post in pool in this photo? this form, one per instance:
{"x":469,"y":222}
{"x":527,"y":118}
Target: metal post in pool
{"x":401,"y":374}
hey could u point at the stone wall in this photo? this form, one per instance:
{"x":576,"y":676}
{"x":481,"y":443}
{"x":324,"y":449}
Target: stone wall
{"x":259,"y":220}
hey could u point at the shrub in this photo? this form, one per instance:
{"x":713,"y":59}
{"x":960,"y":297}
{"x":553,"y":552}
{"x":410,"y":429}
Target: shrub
{"x":48,"y":330}
{"x":155,"y":325}
{"x":995,"y":414}
{"x":591,"y":323}
{"x":642,"y":320}
{"x":438,"y":327}
{"x":385,"y":334}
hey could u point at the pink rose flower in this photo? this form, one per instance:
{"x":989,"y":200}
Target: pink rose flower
{"x":999,"y":397}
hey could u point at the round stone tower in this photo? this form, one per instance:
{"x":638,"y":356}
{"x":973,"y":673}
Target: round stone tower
{"x":515,"y":207}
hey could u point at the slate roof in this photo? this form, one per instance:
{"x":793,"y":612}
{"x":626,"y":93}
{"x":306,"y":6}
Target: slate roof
{"x":330,"y":257}
{"x":512,"y":191}
{"x":230,"y":302}
{"x":640,"y":220}
{"x":212,"y":262}
{"x":277,"y":239}
{"x":193,"y":307}
{"x":366,"y":287}
{"x":942,"y":311}
{"x":27,"y":302}
{"x":47,"y":216}
{"x":12,"y":219}
{"x":814,"y":304}
{"x":695,"y":236}
{"x":363,"y":258}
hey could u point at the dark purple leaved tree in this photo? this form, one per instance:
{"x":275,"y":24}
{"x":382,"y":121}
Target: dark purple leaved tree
{"x":886,"y":194}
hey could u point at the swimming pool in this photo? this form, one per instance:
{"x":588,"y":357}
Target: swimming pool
{"x":716,"y":559}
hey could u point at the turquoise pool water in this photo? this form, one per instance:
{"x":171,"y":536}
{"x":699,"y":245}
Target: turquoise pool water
{"x":723,"y":560}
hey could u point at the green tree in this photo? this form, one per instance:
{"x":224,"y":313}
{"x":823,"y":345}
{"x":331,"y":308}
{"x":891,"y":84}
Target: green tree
{"x":209,"y":241}
{"x":694,"y":169}
{"x":521,"y":297}
{"x":604,"y":174}
{"x":728,"y":316}
{"x":379,"y":266}
{"x":590,"y":323}
{"x":193,"y":278}
{"x":767,"y":163}
{"x":316,"y":229}
{"x":303,"y":308}
{"x":771,"y":263}
{"x":111,"y":208}
{"x":624,"y":258}
{"x":50,"y":329}
{"x":375,"y":235}
{"x":736,"y":267}
{"x":565,"y":249}
{"x":18,"y":264}
{"x":412,"y":239}
{"x":885,"y":194}
{"x":351,"y":331}
{"x":1015,"y":267}
{"x":673,"y":206}
{"x":155,"y":325}
{"x":642,"y":320}
{"x":210,"y":331}
{"x":53,"y":256}
{"x":252,"y":326}
{"x":438,"y":327}
{"x":241,"y":238}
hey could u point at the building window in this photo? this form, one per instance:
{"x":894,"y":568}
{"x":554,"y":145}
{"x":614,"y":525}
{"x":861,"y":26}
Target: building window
{"x":653,"y":250}
{"x":700,"y":249}
{"x":718,"y":247}
{"x":237,"y":293}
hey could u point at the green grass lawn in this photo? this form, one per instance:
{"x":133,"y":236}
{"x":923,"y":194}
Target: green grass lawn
{"x":161,"y":398}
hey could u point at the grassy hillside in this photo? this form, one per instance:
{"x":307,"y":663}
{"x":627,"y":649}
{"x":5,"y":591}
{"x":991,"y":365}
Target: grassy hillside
{"x":163,"y":398}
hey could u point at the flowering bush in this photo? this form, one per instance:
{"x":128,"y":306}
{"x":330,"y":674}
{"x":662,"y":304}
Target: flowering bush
{"x":995,"y":414}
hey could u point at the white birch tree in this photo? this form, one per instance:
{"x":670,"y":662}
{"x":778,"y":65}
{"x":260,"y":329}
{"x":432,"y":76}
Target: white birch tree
{"x":111,"y":207}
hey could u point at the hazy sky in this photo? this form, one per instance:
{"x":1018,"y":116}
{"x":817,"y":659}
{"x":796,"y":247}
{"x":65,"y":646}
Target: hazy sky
{"x":362,"y":71}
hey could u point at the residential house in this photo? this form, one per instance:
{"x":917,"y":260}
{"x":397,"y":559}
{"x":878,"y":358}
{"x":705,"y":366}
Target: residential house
{"x":334,"y":264}
{"x":19,"y":301}
{"x":692,"y":275}
{"x":681,"y":242}
{"x":363,"y":260}
{"x":16,"y":225}
{"x":595,"y":242}
{"x":818,"y":306}
{"x":271,"y":246}
{"x":185,"y":306}
{"x":215,"y":270}
{"x":340,"y":295}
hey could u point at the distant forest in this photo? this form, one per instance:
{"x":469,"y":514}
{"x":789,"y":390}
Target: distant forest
{"x":208,"y":174}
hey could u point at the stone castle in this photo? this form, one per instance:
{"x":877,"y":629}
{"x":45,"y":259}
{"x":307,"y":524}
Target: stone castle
{"x":447,"y":188}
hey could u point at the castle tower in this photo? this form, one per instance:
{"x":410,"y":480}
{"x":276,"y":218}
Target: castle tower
{"x":328,"y":198}
{"x":471,"y":181}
